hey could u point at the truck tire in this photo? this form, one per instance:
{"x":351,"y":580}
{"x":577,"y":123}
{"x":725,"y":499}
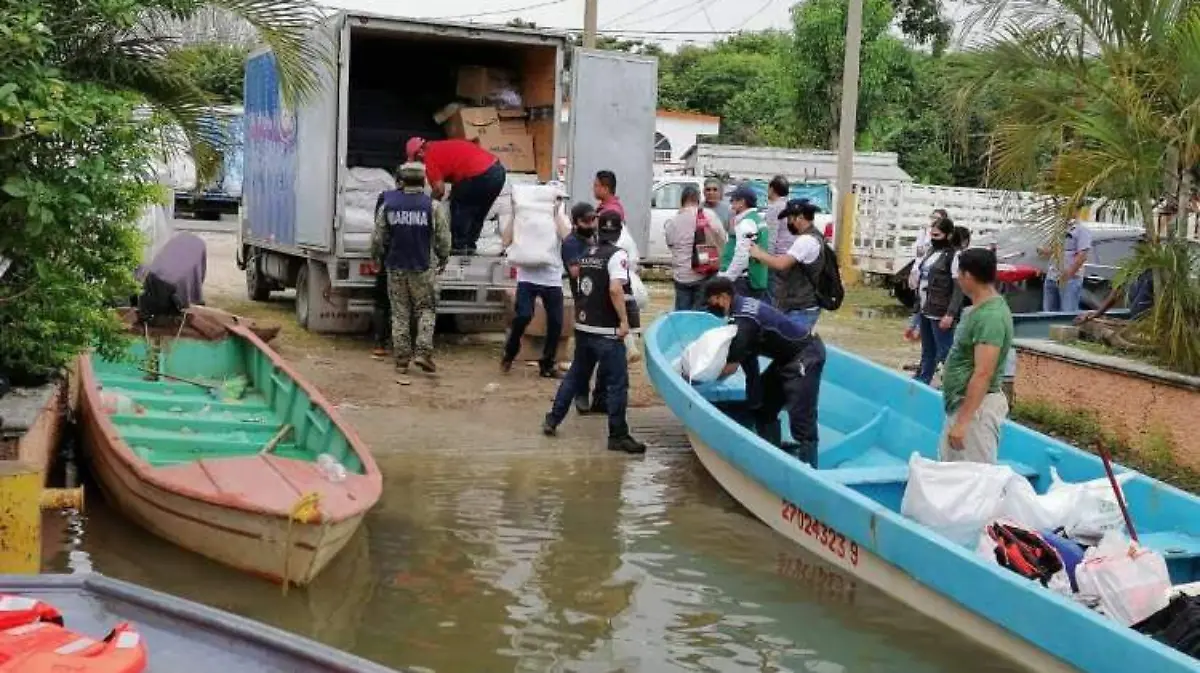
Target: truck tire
{"x":257,"y":287}
{"x":302,"y":300}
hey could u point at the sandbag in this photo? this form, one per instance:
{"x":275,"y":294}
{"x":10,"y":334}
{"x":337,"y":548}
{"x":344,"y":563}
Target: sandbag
{"x":1131,"y":581}
{"x":534,"y":226}
{"x":1094,"y":510}
{"x":703,"y":359}
{"x":373,"y":180}
{"x":955,"y":499}
{"x":640,"y":294}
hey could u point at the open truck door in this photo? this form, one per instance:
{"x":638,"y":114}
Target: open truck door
{"x":614,"y":101}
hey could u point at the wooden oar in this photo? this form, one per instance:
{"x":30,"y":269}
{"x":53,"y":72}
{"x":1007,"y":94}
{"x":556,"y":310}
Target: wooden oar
{"x":274,"y":441}
{"x":181,"y":379}
{"x":1112,"y":480}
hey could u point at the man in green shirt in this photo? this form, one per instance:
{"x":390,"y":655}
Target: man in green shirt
{"x":749,"y":275}
{"x":975,"y":406}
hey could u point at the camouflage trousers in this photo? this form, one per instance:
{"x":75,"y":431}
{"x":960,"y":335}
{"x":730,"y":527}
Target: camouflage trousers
{"x":414,"y":301}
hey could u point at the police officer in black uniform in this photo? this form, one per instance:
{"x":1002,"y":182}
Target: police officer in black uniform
{"x":791,"y":382}
{"x":605,"y":312}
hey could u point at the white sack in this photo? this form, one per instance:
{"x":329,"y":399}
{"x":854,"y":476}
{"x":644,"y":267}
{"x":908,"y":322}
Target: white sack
{"x":955,"y":499}
{"x":1023,"y":506}
{"x":1131,"y":581}
{"x":358,"y":220}
{"x":640,"y":294}
{"x":626,"y":243}
{"x":703,"y":359}
{"x":534,"y":227}
{"x":1095,"y":511}
{"x":372,"y":180}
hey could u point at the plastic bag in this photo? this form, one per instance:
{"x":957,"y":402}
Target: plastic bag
{"x":955,"y":499}
{"x":626,"y":243}
{"x":534,"y":227}
{"x":1094,"y":510}
{"x":633,"y":348}
{"x":1131,"y":581}
{"x":640,"y":294}
{"x":703,"y":359}
{"x":1021,"y":504}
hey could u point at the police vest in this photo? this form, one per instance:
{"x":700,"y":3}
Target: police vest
{"x":409,"y":217}
{"x":594,"y":311}
{"x":796,"y":292}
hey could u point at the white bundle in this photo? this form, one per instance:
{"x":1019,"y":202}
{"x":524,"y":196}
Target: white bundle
{"x":534,"y":228}
{"x":703,"y":359}
{"x":373,"y":180}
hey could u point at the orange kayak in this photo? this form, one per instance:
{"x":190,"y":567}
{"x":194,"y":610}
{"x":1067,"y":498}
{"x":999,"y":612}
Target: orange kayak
{"x":46,"y":647}
{"x":20,"y":610}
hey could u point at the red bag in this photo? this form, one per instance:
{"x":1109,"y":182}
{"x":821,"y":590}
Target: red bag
{"x":706,"y":256}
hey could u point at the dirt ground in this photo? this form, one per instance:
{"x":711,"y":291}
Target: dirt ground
{"x":470,"y":396}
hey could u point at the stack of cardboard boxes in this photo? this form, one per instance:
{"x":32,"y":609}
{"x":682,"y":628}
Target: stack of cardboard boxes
{"x":500,"y":130}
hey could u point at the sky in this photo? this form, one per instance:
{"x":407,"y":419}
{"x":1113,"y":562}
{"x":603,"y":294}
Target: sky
{"x":624,"y":18}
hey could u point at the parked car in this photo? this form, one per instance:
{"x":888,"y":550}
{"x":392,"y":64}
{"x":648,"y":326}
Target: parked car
{"x":1022,"y":270}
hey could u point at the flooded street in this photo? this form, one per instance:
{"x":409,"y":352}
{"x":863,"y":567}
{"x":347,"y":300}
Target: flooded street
{"x":496,"y":549}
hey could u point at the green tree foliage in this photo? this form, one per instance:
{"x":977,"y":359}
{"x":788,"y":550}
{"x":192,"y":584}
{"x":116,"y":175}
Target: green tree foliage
{"x":71,"y":181}
{"x":217,"y":69}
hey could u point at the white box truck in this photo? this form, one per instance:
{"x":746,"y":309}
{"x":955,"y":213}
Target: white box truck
{"x":386,"y":79}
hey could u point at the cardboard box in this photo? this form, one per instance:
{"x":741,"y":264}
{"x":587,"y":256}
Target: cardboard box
{"x":537,"y":326}
{"x":502,"y":134}
{"x":531,"y":349}
{"x":476,"y":83}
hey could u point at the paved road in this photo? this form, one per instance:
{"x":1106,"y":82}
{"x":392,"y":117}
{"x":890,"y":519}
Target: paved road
{"x":227,"y":224}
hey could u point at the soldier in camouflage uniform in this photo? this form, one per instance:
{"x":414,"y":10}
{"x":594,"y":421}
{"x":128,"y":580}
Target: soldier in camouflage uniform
{"x":411,"y":232}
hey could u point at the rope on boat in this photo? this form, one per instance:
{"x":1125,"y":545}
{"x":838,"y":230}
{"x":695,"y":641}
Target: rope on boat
{"x":307,"y":510}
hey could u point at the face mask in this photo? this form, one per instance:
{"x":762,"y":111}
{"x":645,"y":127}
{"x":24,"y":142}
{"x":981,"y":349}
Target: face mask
{"x":940,"y":243}
{"x":586,"y":232}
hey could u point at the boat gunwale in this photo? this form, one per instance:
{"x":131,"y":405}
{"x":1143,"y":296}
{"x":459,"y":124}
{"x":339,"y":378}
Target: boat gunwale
{"x":688,"y":404}
{"x":204,"y":616}
{"x":368,"y":487}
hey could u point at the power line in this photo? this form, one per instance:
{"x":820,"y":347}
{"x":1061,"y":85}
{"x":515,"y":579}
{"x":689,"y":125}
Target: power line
{"x":690,"y":4}
{"x":633,"y":11}
{"x":513,"y":10}
{"x":756,"y":12}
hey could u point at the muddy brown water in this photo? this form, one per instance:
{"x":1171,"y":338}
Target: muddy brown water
{"x":496,"y":549}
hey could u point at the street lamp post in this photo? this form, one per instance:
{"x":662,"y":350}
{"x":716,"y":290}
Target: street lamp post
{"x":844,"y":231}
{"x":589,"y":23}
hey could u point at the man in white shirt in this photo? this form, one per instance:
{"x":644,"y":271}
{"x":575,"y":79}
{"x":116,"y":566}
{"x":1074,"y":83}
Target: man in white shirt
{"x":1064,"y":276}
{"x":543,"y":281}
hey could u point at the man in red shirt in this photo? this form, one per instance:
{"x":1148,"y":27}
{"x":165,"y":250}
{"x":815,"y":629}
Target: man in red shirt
{"x":477,"y":177}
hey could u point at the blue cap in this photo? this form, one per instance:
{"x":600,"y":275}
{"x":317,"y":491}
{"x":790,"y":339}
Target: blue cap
{"x":745,"y":193}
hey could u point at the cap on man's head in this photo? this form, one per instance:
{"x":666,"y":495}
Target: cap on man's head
{"x":802,"y":207}
{"x":412,"y":173}
{"x":583,"y":211}
{"x":744,"y":193}
{"x":412,"y":147}
{"x":610,"y":222}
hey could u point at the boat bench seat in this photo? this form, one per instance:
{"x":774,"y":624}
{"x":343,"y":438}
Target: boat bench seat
{"x":898,"y":474}
{"x":1172,"y":544}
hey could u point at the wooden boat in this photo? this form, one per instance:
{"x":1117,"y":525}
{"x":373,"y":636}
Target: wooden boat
{"x":181,"y":636}
{"x":201,"y":322}
{"x":847,"y":512}
{"x":237,"y":480}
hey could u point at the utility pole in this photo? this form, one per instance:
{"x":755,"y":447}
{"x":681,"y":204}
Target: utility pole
{"x":589,"y":23}
{"x":844,"y":231}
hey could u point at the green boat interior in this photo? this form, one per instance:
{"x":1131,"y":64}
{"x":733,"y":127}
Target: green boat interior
{"x":170,"y":422}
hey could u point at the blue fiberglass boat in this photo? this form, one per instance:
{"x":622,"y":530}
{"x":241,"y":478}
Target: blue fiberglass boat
{"x":848,"y":511}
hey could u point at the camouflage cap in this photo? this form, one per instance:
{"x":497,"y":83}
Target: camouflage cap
{"x":412,"y":173}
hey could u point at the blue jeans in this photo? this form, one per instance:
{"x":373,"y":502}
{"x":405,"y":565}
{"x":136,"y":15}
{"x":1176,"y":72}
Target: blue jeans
{"x":1059,"y":296}
{"x":689,"y":296}
{"x":935,"y":346}
{"x":805,"y":317}
{"x":552,"y":302}
{"x":609,"y":354}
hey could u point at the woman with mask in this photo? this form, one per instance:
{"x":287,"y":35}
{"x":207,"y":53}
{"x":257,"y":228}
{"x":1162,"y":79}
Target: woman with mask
{"x":940,"y":298}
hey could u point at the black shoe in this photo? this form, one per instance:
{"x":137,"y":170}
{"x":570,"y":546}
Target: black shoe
{"x":505,"y":365}
{"x":599,"y":407}
{"x":548,"y":372}
{"x":548,"y":427}
{"x":626,"y":444}
{"x":582,"y":405}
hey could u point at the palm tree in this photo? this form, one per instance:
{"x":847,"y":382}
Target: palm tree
{"x":1103,"y":101}
{"x":144,"y":56}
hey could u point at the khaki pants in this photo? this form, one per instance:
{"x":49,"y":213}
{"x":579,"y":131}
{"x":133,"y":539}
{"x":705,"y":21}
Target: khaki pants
{"x":983,"y":433}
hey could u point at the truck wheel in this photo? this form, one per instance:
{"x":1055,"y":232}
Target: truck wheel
{"x":257,"y":287}
{"x":302,"y":305}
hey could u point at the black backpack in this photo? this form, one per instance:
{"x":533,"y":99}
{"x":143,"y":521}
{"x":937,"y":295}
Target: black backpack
{"x":1177,"y":625}
{"x":828,"y":283}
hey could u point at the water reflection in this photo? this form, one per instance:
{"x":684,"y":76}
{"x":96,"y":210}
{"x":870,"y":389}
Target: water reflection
{"x":567,"y":560}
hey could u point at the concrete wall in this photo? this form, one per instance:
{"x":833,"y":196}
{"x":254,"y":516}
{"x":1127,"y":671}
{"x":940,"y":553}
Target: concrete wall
{"x":1132,"y":406}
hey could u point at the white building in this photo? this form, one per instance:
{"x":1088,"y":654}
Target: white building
{"x":674,"y":133}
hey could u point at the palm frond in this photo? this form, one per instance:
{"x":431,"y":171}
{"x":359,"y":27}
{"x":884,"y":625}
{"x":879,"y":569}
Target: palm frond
{"x":285,"y":26}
